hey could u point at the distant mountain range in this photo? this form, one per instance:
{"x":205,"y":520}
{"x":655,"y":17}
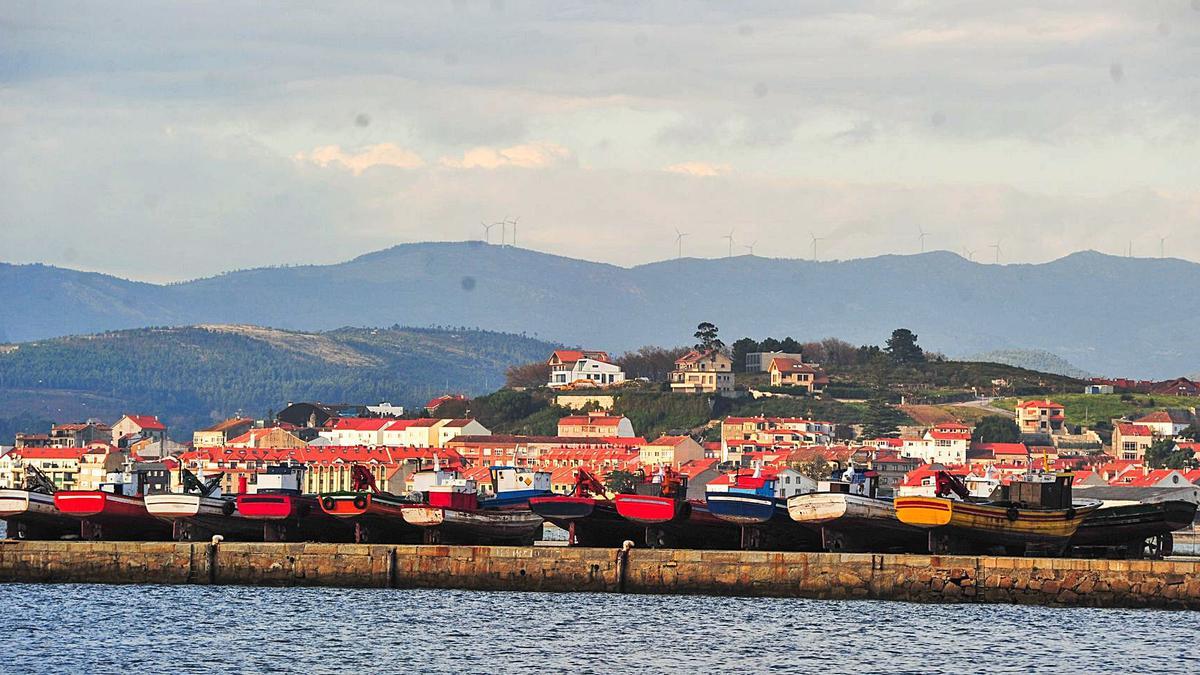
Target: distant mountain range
{"x":1107,"y":315}
{"x":1033,"y":359}
{"x":191,"y":376}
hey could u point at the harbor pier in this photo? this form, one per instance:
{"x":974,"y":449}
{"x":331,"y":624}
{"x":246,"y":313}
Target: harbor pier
{"x":919,"y":578}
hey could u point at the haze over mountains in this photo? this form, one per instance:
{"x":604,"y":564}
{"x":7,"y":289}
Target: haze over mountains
{"x":1107,"y":315}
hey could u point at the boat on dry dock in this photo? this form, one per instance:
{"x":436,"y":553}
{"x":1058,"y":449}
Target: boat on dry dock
{"x":587,"y":514}
{"x":453,"y":512}
{"x":30,"y":513}
{"x":1133,"y":530}
{"x":850,"y":517}
{"x":1034,"y":515}
{"x":754,"y":503}
{"x":377,"y":516}
{"x":660,"y":505}
{"x":115,"y":511}
{"x":285,"y":513}
{"x":201,"y":511}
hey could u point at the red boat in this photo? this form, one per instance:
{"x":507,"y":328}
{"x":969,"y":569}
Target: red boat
{"x":670,"y":519}
{"x":110,"y":515}
{"x":377,"y":516}
{"x":288,"y":514}
{"x":588,"y":516}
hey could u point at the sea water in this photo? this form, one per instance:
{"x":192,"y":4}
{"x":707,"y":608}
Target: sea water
{"x":70,"y":628}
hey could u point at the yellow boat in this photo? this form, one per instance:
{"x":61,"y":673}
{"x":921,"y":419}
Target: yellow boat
{"x":1014,"y":525}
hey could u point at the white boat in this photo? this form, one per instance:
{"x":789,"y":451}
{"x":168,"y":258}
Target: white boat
{"x":851,"y":518}
{"x":32,"y":515}
{"x":196,"y":517}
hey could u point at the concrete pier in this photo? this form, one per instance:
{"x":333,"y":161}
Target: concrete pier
{"x":921,"y":578}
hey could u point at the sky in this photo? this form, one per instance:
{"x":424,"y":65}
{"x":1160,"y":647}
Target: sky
{"x":166,"y":141}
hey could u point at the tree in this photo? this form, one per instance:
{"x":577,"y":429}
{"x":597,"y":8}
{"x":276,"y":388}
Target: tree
{"x":769,"y":345}
{"x":706,"y":333}
{"x":740,"y":349}
{"x":621,"y":482}
{"x":535,"y":374}
{"x":652,"y":363}
{"x":902,"y":347}
{"x":818,"y":468}
{"x":1190,"y":433}
{"x":996,"y":429}
{"x":789,"y":346}
{"x":881,"y":420}
{"x":1162,"y":455}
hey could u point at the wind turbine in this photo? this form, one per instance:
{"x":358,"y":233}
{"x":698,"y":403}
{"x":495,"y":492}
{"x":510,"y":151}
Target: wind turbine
{"x":815,"y":239}
{"x":679,"y":241}
{"x":730,"y":238}
{"x":1162,"y":241}
{"x":514,"y":224}
{"x":996,"y":247}
{"x":970,"y":253}
{"x":922,"y":236}
{"x":750,"y":246}
{"x":503,"y":231}
{"x":1129,"y":251}
{"x":487,"y":231}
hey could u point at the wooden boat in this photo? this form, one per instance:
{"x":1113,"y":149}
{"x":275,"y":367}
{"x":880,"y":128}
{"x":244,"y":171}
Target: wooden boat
{"x":30,"y":513}
{"x":752,"y":503}
{"x":199,"y":512}
{"x":111,"y":515}
{"x":1029,"y":516}
{"x":1133,"y":530}
{"x":588,"y":516}
{"x":287,"y":514}
{"x":851,"y":518}
{"x":452,"y":512}
{"x":377,"y":516}
{"x":670,"y":519}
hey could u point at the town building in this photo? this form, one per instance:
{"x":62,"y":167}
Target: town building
{"x":131,"y":427}
{"x":61,"y":466}
{"x":759,"y":362}
{"x":269,"y":437}
{"x":596,"y":425}
{"x":1129,"y":441}
{"x":702,"y":372}
{"x":945,"y":443}
{"x":569,"y":367}
{"x":787,"y":372}
{"x":97,"y":461}
{"x":670,"y":451}
{"x":1040,"y":417}
{"x":435,"y":403}
{"x":1167,"y":423}
{"x":220,"y":433}
{"x":79,"y":434}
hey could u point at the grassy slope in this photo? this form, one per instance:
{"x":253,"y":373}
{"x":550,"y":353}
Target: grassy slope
{"x":1088,"y":409}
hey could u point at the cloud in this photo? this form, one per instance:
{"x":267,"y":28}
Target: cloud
{"x":528,"y":156}
{"x":383,"y":154}
{"x":698,"y":169}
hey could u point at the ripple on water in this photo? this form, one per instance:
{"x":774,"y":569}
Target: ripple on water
{"x":103,"y":629}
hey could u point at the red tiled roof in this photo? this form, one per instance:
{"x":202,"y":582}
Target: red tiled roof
{"x":1126,"y":429}
{"x":360,"y":424}
{"x":48,"y":453}
{"x":147,"y":422}
{"x":573,"y":355}
{"x":231,"y":423}
{"x":1044,"y":403}
{"x":1003,"y":448}
{"x":445,"y":398}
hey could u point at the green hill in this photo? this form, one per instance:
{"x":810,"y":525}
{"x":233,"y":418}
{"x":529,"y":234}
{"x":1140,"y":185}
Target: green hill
{"x":193,"y":375}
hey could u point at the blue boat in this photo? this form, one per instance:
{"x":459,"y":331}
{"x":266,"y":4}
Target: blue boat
{"x":753,"y":502}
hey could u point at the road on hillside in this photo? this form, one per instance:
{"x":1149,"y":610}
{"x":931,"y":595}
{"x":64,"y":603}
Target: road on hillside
{"x":986,"y":405}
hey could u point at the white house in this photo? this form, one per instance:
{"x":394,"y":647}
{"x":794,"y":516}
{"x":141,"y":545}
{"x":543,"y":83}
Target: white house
{"x":568,"y":366}
{"x":356,"y":431}
{"x":942,"y":444}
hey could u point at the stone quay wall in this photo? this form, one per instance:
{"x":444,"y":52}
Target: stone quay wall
{"x":918,"y":578}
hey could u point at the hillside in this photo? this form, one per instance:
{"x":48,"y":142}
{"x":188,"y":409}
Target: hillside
{"x":193,"y":375}
{"x":955,"y":305}
{"x":1033,"y":359}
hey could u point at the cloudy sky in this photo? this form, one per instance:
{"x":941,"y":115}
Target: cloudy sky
{"x":164,"y":141}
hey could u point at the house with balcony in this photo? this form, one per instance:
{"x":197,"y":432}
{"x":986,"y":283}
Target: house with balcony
{"x":788,"y":372}
{"x":1040,"y":417}
{"x":702,"y":372}
{"x":589,"y":367}
{"x":1129,"y":441}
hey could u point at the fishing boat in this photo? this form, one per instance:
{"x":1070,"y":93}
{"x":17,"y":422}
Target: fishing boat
{"x":852,"y":518}
{"x":200,"y":511}
{"x":115,"y":511}
{"x":286,"y":513}
{"x":1034,"y":515}
{"x":660,"y":505}
{"x":377,"y":516}
{"x":753,"y":503}
{"x":1133,"y":530}
{"x":588,"y":516}
{"x":452,"y":512}
{"x":30,"y":513}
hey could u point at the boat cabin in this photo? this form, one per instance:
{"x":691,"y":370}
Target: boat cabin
{"x":508,"y":479}
{"x":281,"y":478}
{"x":1044,"y":491}
{"x":851,"y":482}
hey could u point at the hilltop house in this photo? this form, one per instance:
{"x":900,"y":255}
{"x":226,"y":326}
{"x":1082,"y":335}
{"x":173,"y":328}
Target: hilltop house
{"x":584,"y":366}
{"x":1040,"y":417}
{"x":788,"y":372}
{"x":703,"y":372}
{"x":758,"y":362}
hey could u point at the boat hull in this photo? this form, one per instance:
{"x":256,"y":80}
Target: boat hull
{"x":671,"y":523}
{"x":32,"y":515}
{"x":957,"y":525}
{"x":1133,"y":524}
{"x":293,"y":517}
{"x":856,"y":523}
{"x":196,"y":518}
{"x":764,"y":521}
{"x":377,"y":518}
{"x":591,"y":521}
{"x":109,"y":516}
{"x":444,"y":525}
